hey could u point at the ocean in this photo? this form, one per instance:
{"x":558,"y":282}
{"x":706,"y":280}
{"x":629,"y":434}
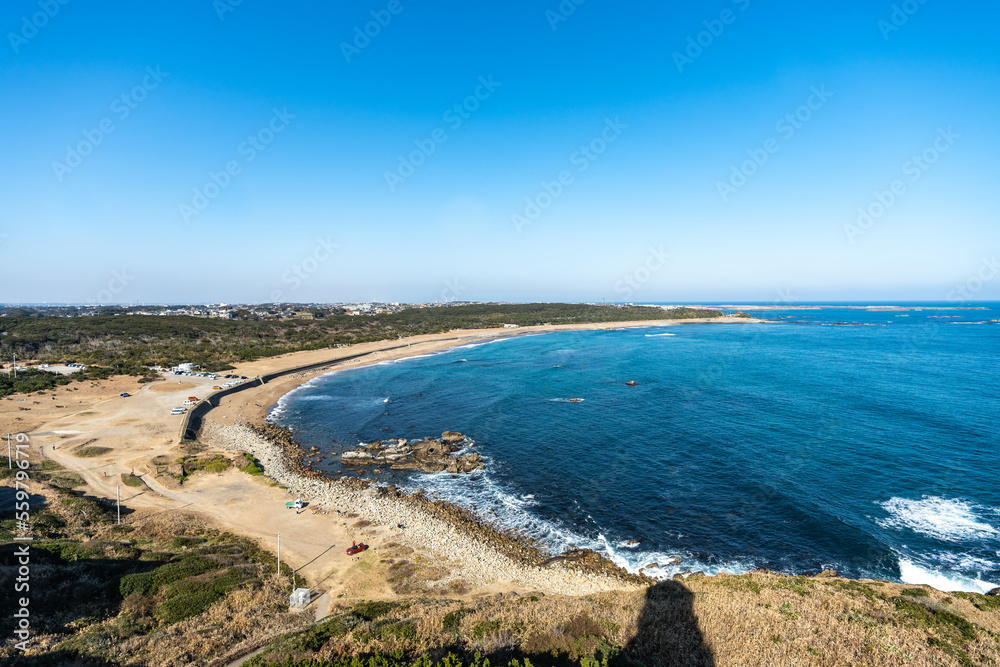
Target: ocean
{"x":862,"y":440}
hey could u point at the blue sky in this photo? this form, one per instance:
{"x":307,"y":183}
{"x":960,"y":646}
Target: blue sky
{"x":498,"y":151}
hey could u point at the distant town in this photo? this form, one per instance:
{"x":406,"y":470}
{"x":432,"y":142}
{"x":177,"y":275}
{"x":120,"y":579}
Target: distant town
{"x":269,"y":311}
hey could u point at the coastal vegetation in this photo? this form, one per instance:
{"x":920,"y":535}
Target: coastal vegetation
{"x":130,"y":344}
{"x":101,"y":593}
{"x":169,"y":588}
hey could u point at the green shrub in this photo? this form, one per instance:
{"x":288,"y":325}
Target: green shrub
{"x":315,"y":637}
{"x":980,"y":601}
{"x":131,"y":480}
{"x":182,"y":541}
{"x":252,"y":466}
{"x":90,"y":452}
{"x":216,"y":466}
{"x":189,"y":598}
{"x":453,"y":619}
{"x":148,"y":583}
{"x":916,"y":592}
{"x":397,"y":631}
{"x":369,"y":611}
{"x":483,"y":628}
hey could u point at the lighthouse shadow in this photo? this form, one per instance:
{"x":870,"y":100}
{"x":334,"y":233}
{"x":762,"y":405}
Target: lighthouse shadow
{"x":668,"y":632}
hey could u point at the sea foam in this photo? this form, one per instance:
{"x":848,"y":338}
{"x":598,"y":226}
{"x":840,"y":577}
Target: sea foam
{"x":911,"y":573}
{"x":941,"y":518}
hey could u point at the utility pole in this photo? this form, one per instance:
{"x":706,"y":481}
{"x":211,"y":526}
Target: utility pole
{"x":10,"y":461}
{"x":279,"y":553}
{"x":118,"y":502}
{"x":15,"y":366}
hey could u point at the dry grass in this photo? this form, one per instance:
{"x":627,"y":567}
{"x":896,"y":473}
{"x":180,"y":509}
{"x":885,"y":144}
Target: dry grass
{"x":91,"y":452}
{"x":722,"y":621}
{"x":235,"y":626}
{"x":756,"y":619}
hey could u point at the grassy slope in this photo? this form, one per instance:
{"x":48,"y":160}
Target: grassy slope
{"x":167,"y":590}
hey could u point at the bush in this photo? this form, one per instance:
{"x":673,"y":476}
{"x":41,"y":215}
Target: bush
{"x":252,"y":466}
{"x":148,"y":583}
{"x":369,"y":611}
{"x":401,"y":631}
{"x":90,"y":452}
{"x":131,"y":480}
{"x":453,"y":620}
{"x":186,"y":599}
{"x":916,"y":592}
{"x":217,"y":466}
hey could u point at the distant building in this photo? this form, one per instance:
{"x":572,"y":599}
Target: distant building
{"x":510,"y":326}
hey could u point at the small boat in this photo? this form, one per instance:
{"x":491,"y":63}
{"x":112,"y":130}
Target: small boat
{"x":356,"y":549}
{"x":630,"y":383}
{"x":575,"y":400}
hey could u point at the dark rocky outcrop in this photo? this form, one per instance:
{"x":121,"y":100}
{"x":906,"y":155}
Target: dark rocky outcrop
{"x":429,"y":455}
{"x":588,"y":560}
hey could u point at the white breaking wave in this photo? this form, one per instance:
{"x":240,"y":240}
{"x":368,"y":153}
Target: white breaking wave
{"x":911,"y":573}
{"x":658,"y":335}
{"x":940,"y":518}
{"x":492,"y":502}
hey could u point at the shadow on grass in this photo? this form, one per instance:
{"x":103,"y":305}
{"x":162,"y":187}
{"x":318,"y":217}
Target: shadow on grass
{"x":668,"y":632}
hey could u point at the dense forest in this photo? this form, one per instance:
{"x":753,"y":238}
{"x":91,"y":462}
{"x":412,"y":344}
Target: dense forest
{"x":131,"y":343}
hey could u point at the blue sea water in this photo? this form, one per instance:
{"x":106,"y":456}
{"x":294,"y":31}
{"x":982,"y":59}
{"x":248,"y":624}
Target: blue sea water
{"x":859,"y":440}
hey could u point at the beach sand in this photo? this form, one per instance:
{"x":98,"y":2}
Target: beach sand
{"x":138,"y":429}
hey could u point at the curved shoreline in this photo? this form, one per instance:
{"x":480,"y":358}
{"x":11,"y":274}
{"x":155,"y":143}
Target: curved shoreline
{"x":513,"y":556}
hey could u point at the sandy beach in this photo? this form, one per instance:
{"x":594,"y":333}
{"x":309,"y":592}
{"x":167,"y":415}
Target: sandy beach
{"x":139,"y":435}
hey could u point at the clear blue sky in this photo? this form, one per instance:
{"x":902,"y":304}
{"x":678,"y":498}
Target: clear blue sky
{"x":652,"y":211}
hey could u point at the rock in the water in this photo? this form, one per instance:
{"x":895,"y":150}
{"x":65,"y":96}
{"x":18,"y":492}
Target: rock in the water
{"x":429,"y":455}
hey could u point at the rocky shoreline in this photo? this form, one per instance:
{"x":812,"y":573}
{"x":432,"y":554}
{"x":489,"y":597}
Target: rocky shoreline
{"x":430,"y":454}
{"x":483,"y":553}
